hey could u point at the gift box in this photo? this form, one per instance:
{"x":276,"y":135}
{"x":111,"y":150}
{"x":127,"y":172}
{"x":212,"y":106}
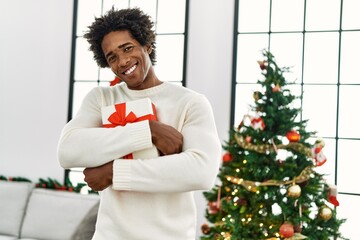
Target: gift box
{"x":130,"y":112}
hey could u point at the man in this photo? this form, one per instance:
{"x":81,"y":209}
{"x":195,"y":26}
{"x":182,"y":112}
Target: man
{"x":141,"y":199}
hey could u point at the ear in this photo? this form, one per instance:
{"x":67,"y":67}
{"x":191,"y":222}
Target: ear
{"x":149,"y":49}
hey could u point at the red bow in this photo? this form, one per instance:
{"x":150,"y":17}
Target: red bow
{"x":119,"y":118}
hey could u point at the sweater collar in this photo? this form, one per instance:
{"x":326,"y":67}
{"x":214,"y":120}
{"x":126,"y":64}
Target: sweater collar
{"x":144,"y":93}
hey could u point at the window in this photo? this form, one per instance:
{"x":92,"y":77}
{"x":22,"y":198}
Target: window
{"x":170,"y":18}
{"x":319,"y":38}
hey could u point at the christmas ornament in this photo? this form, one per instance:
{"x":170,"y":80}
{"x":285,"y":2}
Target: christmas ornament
{"x":213,"y":207}
{"x":293,"y":136}
{"x":226,"y":235}
{"x":248,"y":139}
{"x":262,"y":64}
{"x":205,"y":229}
{"x":325,"y":213}
{"x":286,"y":230}
{"x":332,"y":195}
{"x":256,"y":95}
{"x":257,"y":123}
{"x":276,"y":88}
{"x":298,"y":228}
{"x":317,"y":153}
{"x":294,"y":191}
{"x":227,"y":157}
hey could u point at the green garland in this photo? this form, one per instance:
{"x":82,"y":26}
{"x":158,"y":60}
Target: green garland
{"x":50,"y":183}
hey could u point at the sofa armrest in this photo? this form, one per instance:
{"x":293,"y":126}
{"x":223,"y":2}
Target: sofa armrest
{"x":13,"y":200}
{"x":55,"y":215}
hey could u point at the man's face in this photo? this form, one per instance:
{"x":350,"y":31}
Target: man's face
{"x":127,"y":59}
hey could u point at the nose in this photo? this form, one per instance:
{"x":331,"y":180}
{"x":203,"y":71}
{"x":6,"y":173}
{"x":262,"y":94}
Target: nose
{"x":124,"y":60}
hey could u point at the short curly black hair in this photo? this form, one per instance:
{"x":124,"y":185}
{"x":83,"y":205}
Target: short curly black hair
{"x":134,"y":20}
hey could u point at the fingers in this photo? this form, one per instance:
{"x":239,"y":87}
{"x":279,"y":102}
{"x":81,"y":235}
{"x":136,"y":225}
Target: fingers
{"x":98,"y":178}
{"x":166,"y":138}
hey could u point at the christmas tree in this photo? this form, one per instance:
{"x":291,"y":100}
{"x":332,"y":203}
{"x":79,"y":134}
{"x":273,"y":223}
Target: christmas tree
{"x":270,"y":188}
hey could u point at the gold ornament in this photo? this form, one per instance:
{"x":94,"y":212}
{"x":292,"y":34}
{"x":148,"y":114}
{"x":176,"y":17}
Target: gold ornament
{"x":325,"y":213}
{"x":226,"y":235}
{"x":294,"y":191}
{"x":256,"y":96}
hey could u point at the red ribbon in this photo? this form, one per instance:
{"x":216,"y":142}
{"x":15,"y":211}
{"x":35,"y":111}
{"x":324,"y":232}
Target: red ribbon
{"x":119,"y":118}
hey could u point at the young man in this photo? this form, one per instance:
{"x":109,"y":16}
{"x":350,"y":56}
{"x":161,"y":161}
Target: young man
{"x":141,"y":199}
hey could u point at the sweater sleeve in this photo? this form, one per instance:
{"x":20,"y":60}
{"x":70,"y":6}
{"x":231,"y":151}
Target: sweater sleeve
{"x":195,"y":168}
{"x":85,"y":143}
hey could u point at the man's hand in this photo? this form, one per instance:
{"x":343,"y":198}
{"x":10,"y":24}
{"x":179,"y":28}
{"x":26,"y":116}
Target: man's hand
{"x":167,"y":139}
{"x":99,"y":178}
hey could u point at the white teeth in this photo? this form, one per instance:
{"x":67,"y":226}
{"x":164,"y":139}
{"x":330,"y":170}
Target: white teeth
{"x":130,"y":70}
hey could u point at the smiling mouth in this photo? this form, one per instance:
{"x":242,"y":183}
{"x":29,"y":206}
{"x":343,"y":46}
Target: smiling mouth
{"x":130,"y":70}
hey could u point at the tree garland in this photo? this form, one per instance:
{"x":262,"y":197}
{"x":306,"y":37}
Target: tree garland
{"x":263,"y":148}
{"x":252,"y":185}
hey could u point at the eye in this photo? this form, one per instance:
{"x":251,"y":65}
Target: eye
{"x":128,"y":48}
{"x":111,"y":59}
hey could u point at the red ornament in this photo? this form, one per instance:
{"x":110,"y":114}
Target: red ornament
{"x":205,"y":229}
{"x":257,"y":123}
{"x":115,"y":81}
{"x":262,"y":64}
{"x":293,"y":136}
{"x":277,"y":88}
{"x":286,"y":230}
{"x":227,"y":157}
{"x":317,"y":153}
{"x":213,"y":207}
{"x":248,"y":139}
{"x":332,"y":198}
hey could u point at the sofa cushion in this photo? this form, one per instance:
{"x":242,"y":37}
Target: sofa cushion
{"x":54,"y":215}
{"x":86,"y":228}
{"x":8,"y":238}
{"x":13,"y":199}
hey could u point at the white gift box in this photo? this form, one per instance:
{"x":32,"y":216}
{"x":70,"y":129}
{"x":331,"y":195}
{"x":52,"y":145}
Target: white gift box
{"x":143,"y":109}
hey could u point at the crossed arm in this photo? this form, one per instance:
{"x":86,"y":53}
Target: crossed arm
{"x":166,"y":139}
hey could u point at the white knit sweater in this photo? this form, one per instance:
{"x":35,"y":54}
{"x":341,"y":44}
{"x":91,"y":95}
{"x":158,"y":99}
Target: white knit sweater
{"x":150,"y":199}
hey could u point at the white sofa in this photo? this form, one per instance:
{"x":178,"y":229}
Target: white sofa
{"x":30,"y":213}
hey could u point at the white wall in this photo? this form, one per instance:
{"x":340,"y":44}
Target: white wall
{"x":35,"y":44}
{"x":209,"y":65}
{"x":35,"y":47}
